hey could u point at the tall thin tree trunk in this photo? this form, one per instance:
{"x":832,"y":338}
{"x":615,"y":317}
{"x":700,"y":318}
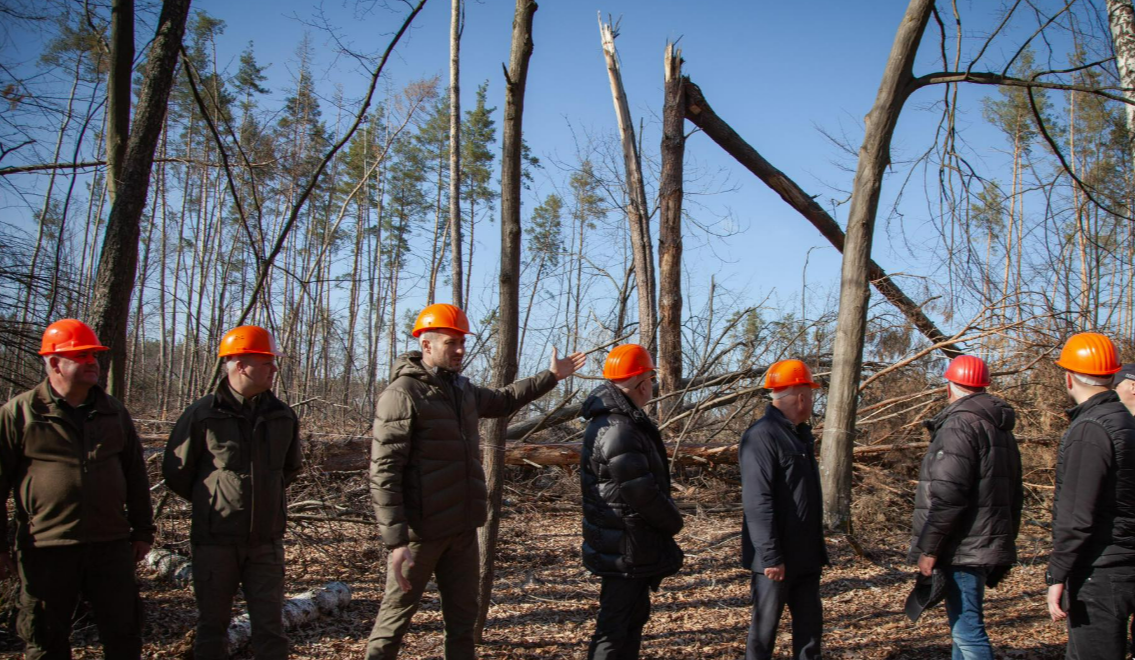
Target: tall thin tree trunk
{"x":637,"y":209}
{"x":505,"y":365}
{"x":456,"y":25}
{"x":670,"y":229}
{"x":118,"y":88}
{"x":114,"y":283}
{"x":854,"y":295}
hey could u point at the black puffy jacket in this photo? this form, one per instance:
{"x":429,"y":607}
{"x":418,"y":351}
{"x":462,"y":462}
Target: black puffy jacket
{"x":780,"y":489}
{"x":1093,"y":517}
{"x":967,"y":510}
{"x":629,"y":518}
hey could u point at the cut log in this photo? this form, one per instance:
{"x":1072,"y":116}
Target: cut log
{"x":171,"y":566}
{"x":299,"y":610}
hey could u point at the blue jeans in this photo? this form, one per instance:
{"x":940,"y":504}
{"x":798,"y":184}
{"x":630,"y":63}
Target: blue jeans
{"x":965,"y":593}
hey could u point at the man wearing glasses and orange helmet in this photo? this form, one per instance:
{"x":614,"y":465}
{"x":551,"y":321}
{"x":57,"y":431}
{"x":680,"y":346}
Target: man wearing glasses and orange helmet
{"x":232,"y":454}
{"x":782,"y":538}
{"x":629,"y":518}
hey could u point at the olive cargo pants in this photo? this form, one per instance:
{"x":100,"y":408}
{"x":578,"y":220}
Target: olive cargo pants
{"x":218,"y":570}
{"x":454,"y":560}
{"x":51,"y":581}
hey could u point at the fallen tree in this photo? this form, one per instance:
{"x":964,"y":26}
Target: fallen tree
{"x":300,"y":610}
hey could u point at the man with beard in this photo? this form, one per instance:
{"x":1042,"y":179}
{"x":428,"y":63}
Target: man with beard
{"x":426,"y":479}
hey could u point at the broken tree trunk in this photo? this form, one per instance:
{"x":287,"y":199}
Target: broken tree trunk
{"x":638,"y":214}
{"x":670,"y":231}
{"x":119,"y":80}
{"x":508,"y":317}
{"x":300,"y":610}
{"x":699,"y":112}
{"x":874,"y":156}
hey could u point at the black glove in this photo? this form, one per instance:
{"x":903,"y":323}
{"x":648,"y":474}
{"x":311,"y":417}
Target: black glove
{"x":995,"y":576}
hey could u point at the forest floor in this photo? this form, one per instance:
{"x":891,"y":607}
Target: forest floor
{"x":544,"y":602}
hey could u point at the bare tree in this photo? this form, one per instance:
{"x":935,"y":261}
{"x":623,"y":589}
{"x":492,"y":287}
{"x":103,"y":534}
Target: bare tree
{"x":638,"y":214}
{"x":508,"y":319}
{"x":118,"y":89}
{"x":670,"y":226}
{"x":874,"y":156}
{"x":456,"y":25}
{"x":114,"y":283}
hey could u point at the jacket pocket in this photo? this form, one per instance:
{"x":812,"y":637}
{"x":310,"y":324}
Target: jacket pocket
{"x":223,"y":438}
{"x":642,"y":545}
{"x":227,"y":511}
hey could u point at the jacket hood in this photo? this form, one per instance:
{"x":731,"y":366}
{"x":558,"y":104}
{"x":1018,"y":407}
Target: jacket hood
{"x":983,"y":404}
{"x":606,"y":399}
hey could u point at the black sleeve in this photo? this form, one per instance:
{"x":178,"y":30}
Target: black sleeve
{"x":759,"y":466}
{"x":1087,"y":460}
{"x":952,"y":475}
{"x":624,"y":449}
{"x":1018,"y":488}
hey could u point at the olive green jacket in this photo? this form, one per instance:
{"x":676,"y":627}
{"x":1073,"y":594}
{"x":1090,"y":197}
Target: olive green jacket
{"x":72,"y":485}
{"x":233,"y":467}
{"x":426,"y":479}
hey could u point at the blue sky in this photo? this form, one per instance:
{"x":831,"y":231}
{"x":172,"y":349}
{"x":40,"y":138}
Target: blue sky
{"x":778,"y":72}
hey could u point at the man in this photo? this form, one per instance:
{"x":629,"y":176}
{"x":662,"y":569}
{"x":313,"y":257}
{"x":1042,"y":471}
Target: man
{"x":1093,"y":526}
{"x":629,"y":518}
{"x":1124,"y":384}
{"x":232,"y":454}
{"x":782,"y":539}
{"x":426,"y":479}
{"x":71,"y":456}
{"x":967,"y":510}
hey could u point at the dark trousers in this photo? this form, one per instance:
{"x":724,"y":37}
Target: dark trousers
{"x":51,"y":581}
{"x":1100,"y":606}
{"x":801,"y":593}
{"x":624,"y":608}
{"x":218,"y":570}
{"x":454,"y":561}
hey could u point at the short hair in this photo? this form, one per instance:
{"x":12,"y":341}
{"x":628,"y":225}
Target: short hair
{"x":787,"y":391}
{"x":962,"y":390}
{"x":430,"y":335}
{"x":1091,"y":381}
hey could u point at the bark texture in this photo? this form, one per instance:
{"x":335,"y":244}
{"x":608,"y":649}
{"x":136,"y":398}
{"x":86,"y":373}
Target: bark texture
{"x":1121,"y":21}
{"x":638,"y":213}
{"x":508,"y":316}
{"x":118,"y":87}
{"x":699,"y":112}
{"x":847,"y":359}
{"x":670,"y":228}
{"x":114,"y":282}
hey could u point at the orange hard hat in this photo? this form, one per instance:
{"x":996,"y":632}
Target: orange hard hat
{"x":441,"y":316}
{"x":789,"y":373}
{"x":968,"y":371}
{"x":1089,"y":353}
{"x":248,"y":339}
{"x":626,"y":361}
{"x":69,"y":335}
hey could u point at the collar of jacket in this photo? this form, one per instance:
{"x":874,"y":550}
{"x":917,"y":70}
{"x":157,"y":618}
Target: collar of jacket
{"x":44,"y":402}
{"x":801,"y":430}
{"x":1097,"y":399}
{"x":624,"y":405}
{"x":936,"y":422}
{"x":410,"y":364}
{"x":224,"y":399}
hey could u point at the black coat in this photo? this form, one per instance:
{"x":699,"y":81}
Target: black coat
{"x":780,"y":489}
{"x":967,"y":509}
{"x":1093,"y":518}
{"x":629,"y":518}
